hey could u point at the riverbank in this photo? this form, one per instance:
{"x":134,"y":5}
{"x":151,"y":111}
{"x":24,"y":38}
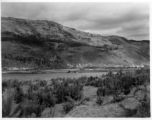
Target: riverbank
{"x":67,"y":71}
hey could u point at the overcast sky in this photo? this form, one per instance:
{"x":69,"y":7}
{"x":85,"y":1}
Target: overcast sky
{"x":130,"y":20}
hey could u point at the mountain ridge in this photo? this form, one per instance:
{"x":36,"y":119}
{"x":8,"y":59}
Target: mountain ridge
{"x":49,"y":44}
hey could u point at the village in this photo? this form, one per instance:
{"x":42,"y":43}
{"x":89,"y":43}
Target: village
{"x":78,"y":66}
{"x":91,"y":65}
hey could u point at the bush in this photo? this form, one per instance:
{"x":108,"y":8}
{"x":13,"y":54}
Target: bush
{"x":35,"y":101}
{"x":45,"y":98}
{"x":29,"y":107}
{"x":116,"y":84}
{"x":66,"y":88}
{"x":94,"y":81}
{"x":15,"y":83}
{"x":43,"y":83}
{"x":5,"y":84}
{"x":143,"y":110}
{"x":117,"y":98}
{"x":99,"y":100}
{"x":101,"y":91}
{"x":126,"y":83}
{"x":8,"y":110}
{"x":18,"y":95}
{"x":34,"y":87}
{"x":10,"y":83}
{"x":67,"y":107}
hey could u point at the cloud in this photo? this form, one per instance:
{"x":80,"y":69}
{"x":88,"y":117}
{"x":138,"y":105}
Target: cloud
{"x":130,"y":20}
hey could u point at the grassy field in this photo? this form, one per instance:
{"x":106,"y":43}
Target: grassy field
{"x":125,"y":94}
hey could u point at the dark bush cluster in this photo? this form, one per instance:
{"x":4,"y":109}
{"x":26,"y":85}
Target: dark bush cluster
{"x":118,"y":83}
{"x":35,"y":100}
{"x":94,"y":81}
{"x":72,"y":89}
{"x":99,"y":100}
{"x":39,"y":95}
{"x":18,"y":95}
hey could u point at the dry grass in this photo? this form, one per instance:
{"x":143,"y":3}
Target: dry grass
{"x":111,"y":110}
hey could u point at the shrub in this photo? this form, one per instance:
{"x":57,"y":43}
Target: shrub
{"x":36,"y":101}
{"x":30,"y":93}
{"x":49,"y":100}
{"x":143,"y":110}
{"x":8,"y":109}
{"x":43,"y":83}
{"x":34,"y":87}
{"x":99,"y":100}
{"x":15,"y":83}
{"x":94,"y":81}
{"x":142,"y":78}
{"x":46,"y":99}
{"x":67,"y":107}
{"x":29,"y":107}
{"x":18,"y":95}
{"x":5,"y":84}
{"x":117,"y":98}
{"x":11,"y":83}
{"x":126,"y":83}
{"x":40,"y":83}
{"x":83,"y":80}
{"x":66,"y":88}
{"x":116,"y":84}
{"x":101,"y":91}
{"x":42,"y":96}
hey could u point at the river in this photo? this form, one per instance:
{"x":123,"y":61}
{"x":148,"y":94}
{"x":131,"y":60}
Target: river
{"x":49,"y":76}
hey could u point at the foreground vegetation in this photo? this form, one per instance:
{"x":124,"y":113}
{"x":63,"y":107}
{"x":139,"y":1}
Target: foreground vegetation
{"x":32,"y":98}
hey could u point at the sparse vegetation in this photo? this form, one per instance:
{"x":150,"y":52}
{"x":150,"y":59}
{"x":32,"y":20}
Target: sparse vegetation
{"x":33,"y":97}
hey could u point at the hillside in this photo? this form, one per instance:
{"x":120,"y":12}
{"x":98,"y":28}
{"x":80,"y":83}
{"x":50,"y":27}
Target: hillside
{"x":41,"y":43}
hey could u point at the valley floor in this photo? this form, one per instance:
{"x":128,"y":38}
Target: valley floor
{"x":124,"y":94}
